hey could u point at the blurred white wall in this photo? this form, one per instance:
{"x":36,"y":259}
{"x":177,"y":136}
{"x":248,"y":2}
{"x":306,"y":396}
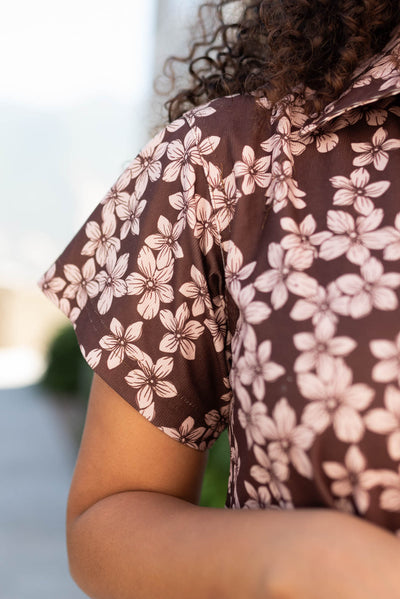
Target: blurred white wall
{"x":74,"y":88}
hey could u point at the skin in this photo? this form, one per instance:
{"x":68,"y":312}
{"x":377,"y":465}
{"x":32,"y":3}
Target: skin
{"x":135,"y":530}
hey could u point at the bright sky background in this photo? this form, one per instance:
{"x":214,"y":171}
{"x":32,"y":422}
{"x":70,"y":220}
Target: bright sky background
{"x":58,"y":53}
{"x":75,"y":79}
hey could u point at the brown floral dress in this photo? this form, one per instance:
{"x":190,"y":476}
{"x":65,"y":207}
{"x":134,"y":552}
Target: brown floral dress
{"x":244,"y":272}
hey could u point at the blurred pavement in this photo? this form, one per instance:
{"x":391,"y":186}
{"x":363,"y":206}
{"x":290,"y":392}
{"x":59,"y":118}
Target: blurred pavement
{"x":37,"y":456}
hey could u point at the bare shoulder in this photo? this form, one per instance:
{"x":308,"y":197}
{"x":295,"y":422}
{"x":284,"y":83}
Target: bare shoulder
{"x":121,"y":451}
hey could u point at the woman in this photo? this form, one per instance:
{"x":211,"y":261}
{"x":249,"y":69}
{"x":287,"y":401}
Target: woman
{"x":244,"y":271}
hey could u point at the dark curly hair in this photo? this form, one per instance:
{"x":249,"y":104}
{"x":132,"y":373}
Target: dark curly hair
{"x":274,"y":46}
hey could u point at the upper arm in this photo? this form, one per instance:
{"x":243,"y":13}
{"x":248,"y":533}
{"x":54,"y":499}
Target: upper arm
{"x":121,"y":451}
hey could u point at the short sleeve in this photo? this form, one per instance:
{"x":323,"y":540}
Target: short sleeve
{"x":142,"y":282}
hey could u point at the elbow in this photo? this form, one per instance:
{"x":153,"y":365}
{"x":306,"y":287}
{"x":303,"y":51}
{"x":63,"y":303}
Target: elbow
{"x":77,"y":561}
{"x":83,"y":559}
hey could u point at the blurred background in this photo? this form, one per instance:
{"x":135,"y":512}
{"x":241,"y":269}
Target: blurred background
{"x":77,"y":104}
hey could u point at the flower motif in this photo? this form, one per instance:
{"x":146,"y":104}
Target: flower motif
{"x":255,"y":367}
{"x":51,"y":285}
{"x":234,"y":269}
{"x":288,"y":441}
{"x":186,"y":202}
{"x":375,"y":153}
{"x":252,"y":417}
{"x":147,"y":164}
{"x":110,"y":281}
{"x":166,"y":241}
{"x":280,"y":142}
{"x":284,"y":276}
{"x":254,"y":171}
{"x":206,"y":228}
{"x":384,"y":68}
{"x":374,"y":289}
{"x":392,"y":250}
{"x":149,"y":379}
{"x":302,"y":239}
{"x":225,"y":201}
{"x":114,"y":197}
{"x":258,"y":499}
{"x":336,"y":402}
{"x":182,"y":333}
{"x":390,"y":496}
{"x":200,"y":112}
{"x":71,"y":313}
{"x":102,"y":241}
{"x":186,"y":434}
{"x":354,"y":239}
{"x":352,"y":478}
{"x":283,"y":188}
{"x":93,"y":357}
{"x":273,"y":474}
{"x":388,"y":369}
{"x":325,"y":141}
{"x":121,"y":343}
{"x":216,"y":324}
{"x":151,"y":284}
{"x":357,"y":191}
{"x":198,"y":291}
{"x":387,"y":422}
{"x":185,"y":155}
{"x":320,"y":307}
{"x":250,"y":312}
{"x":217,"y":421}
{"x":320,"y":349}
{"x":81,"y":284}
{"x":130,"y":213}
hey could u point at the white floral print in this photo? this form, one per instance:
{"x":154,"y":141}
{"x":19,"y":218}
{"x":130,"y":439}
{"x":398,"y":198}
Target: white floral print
{"x":353,"y":238}
{"x":198,"y":291}
{"x":111,"y":281}
{"x":336,"y":402}
{"x":388,"y":352}
{"x":182,"y":332}
{"x":352,"y":478}
{"x":375,"y":153}
{"x":387,"y":421}
{"x":130,"y":212}
{"x":357,"y":191}
{"x":81,"y":282}
{"x":120,"y":343}
{"x":149,"y":380}
{"x":374,"y":289}
{"x":186,"y":433}
{"x":166,"y":242}
{"x":254,"y":171}
{"x":284,"y":277}
{"x":288,"y":441}
{"x":102,"y":241}
{"x":319,"y":350}
{"x":151,"y":284}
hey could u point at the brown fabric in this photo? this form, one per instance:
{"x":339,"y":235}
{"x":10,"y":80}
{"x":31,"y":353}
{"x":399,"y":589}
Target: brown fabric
{"x":244,"y":271}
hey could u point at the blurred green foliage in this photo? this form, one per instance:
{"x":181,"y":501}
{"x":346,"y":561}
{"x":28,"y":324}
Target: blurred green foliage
{"x":68,"y":374}
{"x":213,"y":493}
{"x":67,"y":371}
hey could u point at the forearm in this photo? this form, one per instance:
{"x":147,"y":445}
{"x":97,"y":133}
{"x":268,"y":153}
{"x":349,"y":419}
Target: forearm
{"x":343,"y":557}
{"x":145,"y":545}
{"x":141,"y":545}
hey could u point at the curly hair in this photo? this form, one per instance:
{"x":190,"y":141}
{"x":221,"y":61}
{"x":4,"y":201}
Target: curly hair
{"x":275,"y":46}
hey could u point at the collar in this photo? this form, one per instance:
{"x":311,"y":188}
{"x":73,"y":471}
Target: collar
{"x":377,"y":78}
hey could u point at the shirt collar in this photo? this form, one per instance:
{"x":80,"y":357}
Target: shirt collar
{"x":377,"y":78}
